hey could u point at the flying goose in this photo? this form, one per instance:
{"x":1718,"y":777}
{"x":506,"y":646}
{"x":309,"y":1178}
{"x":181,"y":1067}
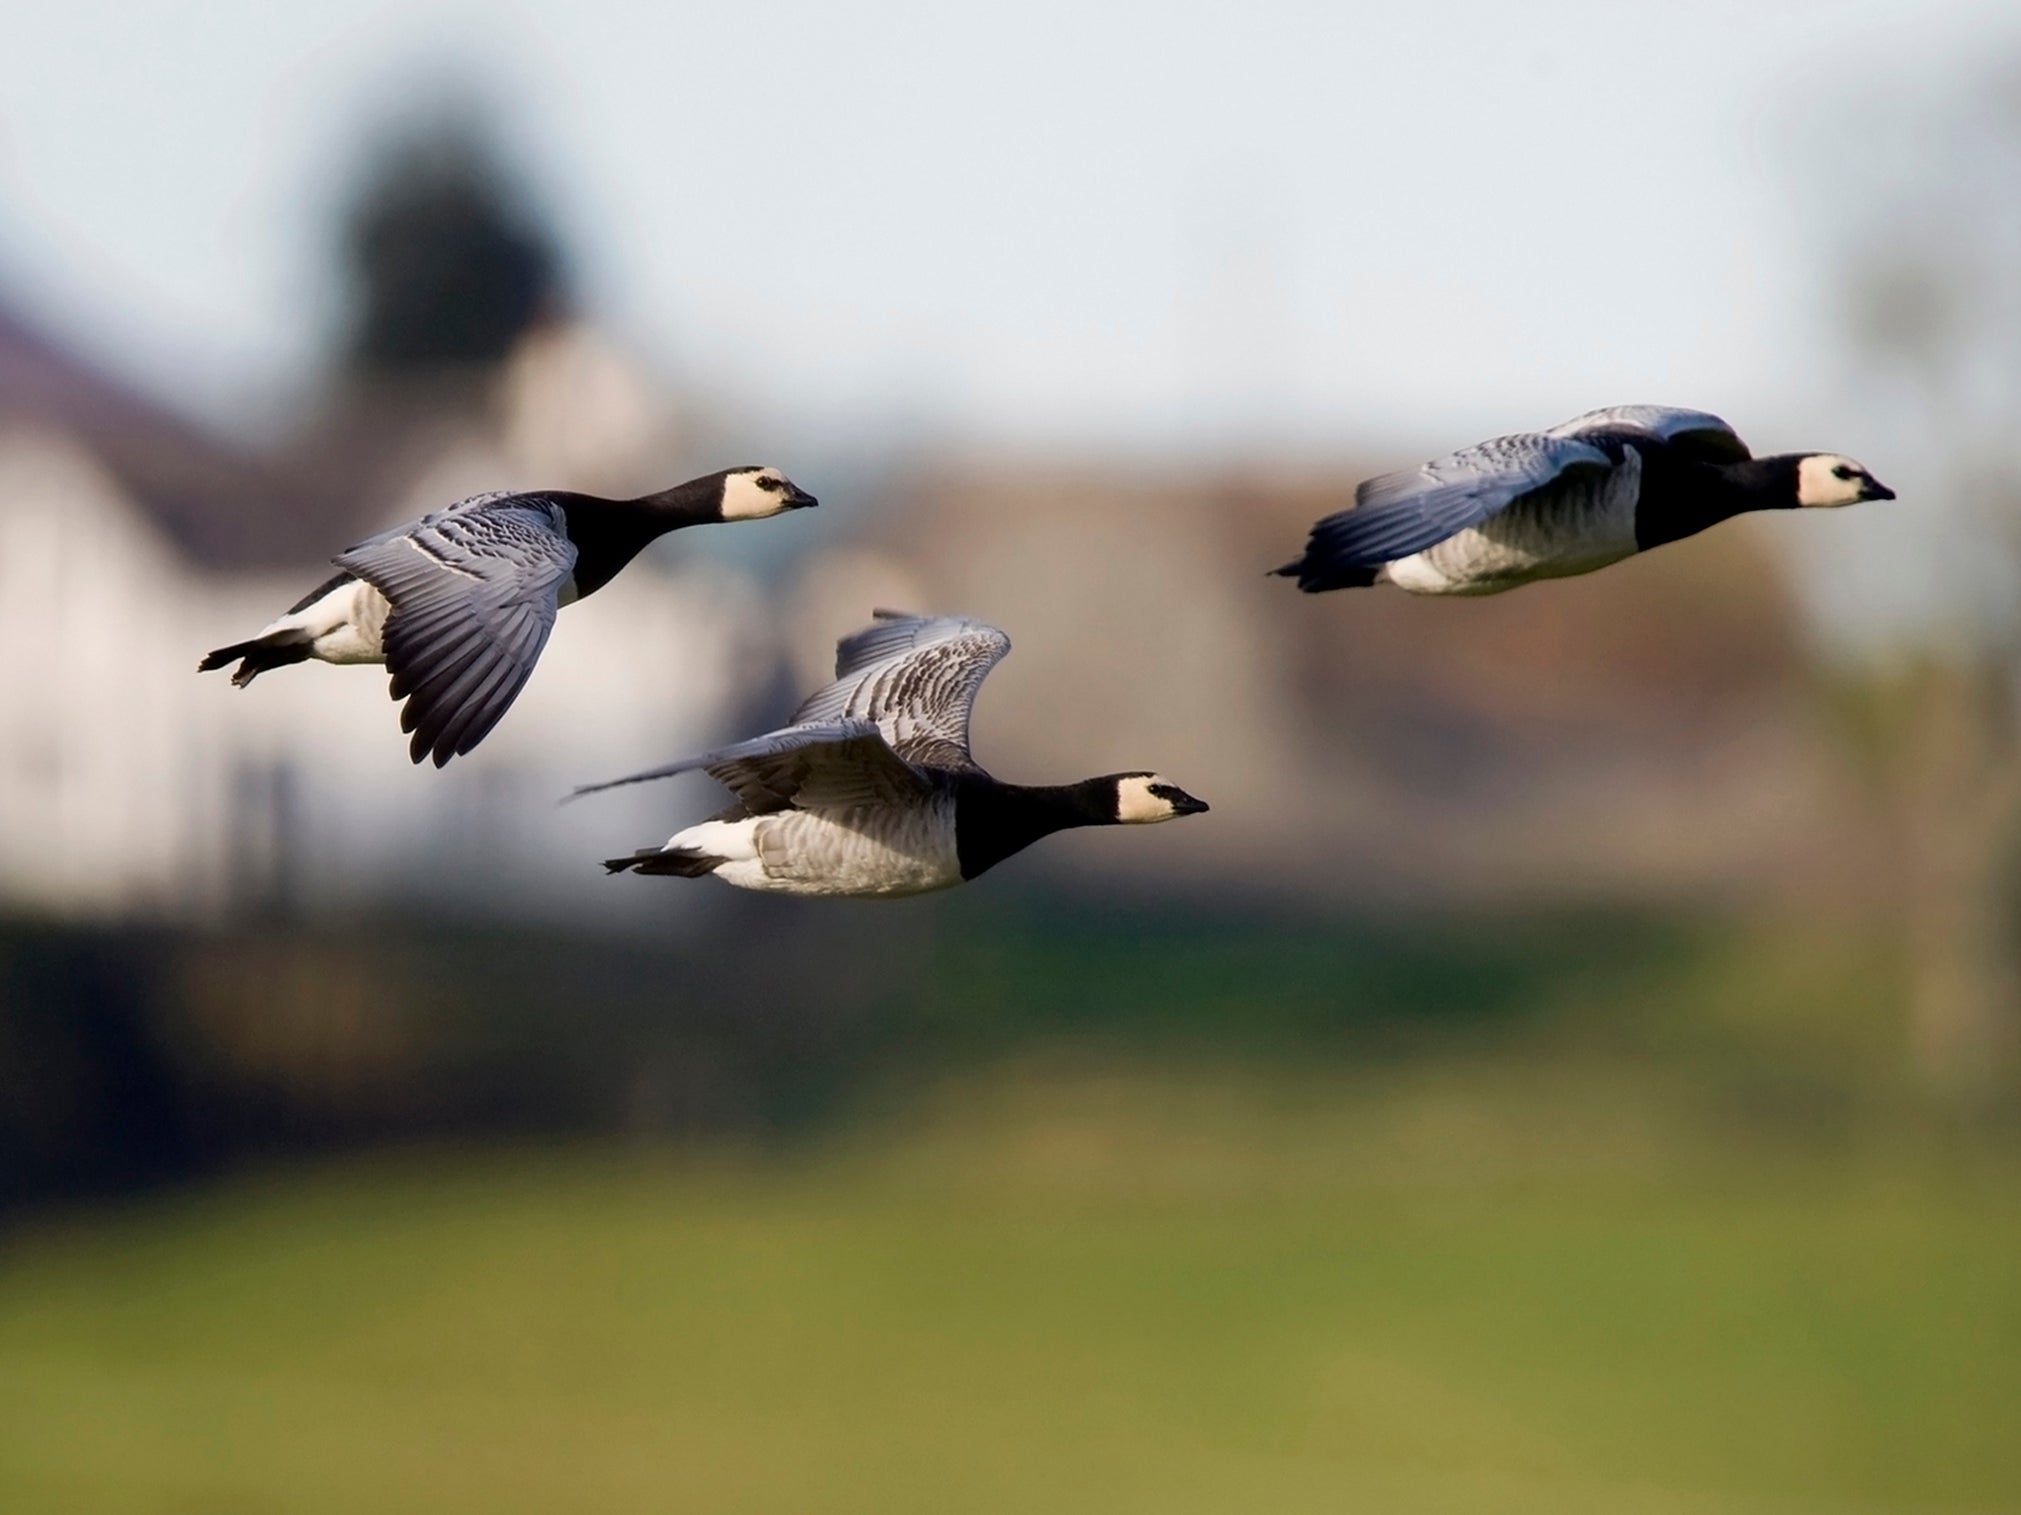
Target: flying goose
{"x":459,"y":603}
{"x":871,"y":790}
{"x":1545,"y":505}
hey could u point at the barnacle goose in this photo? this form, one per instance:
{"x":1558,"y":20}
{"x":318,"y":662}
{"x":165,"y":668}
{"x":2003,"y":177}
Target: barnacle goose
{"x":459,"y":603}
{"x":1544,"y":505}
{"x":871,"y":790}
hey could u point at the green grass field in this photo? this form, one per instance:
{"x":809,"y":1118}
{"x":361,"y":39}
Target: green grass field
{"x":1068,"y":1290}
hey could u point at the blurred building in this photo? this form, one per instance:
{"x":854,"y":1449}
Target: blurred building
{"x":131,"y":543}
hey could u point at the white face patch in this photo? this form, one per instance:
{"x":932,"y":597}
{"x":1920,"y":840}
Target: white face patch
{"x":1136,"y":805}
{"x":756,"y":494}
{"x":1826,"y":480}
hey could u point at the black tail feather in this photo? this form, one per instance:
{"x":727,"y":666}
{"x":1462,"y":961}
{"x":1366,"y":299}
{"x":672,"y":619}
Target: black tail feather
{"x":1316,"y":577}
{"x":680,"y":862}
{"x":255,"y":658}
{"x":218,"y":659}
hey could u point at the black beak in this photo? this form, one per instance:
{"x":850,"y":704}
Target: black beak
{"x":1185,"y":804}
{"x":798,"y":498}
{"x":1876,"y":490}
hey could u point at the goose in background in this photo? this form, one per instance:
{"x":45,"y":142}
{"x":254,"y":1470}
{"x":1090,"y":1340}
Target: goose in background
{"x":459,"y":603}
{"x":1545,"y":505}
{"x":871,"y":790}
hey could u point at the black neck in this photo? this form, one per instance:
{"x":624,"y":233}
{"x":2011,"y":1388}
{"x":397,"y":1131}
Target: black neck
{"x":994,"y":821}
{"x":608,"y":534}
{"x":1683,"y":499}
{"x":699,"y":502}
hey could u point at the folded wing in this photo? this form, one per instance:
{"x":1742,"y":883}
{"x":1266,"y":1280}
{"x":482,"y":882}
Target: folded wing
{"x":1398,"y":514}
{"x":1694,"y":434}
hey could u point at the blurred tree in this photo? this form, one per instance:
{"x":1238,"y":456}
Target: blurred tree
{"x":447,"y":261}
{"x":1933,"y":299}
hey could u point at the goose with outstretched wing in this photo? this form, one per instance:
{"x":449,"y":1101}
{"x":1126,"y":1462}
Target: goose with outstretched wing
{"x":872,"y":790}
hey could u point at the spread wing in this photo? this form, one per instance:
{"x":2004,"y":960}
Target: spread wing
{"x":474,"y":591}
{"x":830,"y":765}
{"x":899,"y":706}
{"x":916,"y":677}
{"x":1696,"y":434}
{"x":1397,"y":514}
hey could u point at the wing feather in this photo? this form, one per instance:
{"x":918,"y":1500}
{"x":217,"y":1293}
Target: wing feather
{"x":474,"y":591}
{"x":832,"y":765}
{"x":916,"y":677}
{"x":898,"y":710}
{"x":1697,"y":434}
{"x":1398,"y":514}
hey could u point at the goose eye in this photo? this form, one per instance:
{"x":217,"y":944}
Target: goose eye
{"x":1842,"y":472}
{"x":769,"y":483}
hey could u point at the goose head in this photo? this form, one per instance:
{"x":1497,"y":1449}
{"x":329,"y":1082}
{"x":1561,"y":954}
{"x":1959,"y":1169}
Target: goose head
{"x":1826,"y":480}
{"x":751,"y":494}
{"x":1144,"y":798}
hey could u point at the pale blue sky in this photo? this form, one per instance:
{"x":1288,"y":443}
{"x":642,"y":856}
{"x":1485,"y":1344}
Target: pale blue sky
{"x":1053,"y":223}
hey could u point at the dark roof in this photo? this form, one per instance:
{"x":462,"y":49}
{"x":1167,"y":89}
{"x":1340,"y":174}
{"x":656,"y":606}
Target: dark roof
{"x":224,"y":506}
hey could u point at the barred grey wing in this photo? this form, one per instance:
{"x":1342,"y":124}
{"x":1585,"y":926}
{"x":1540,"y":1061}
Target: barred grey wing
{"x":474,"y":591}
{"x":1696,"y":434}
{"x":831,"y":765}
{"x":917,"y":678}
{"x":1398,"y":514}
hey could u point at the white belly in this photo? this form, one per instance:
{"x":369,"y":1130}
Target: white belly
{"x":1570,"y":530}
{"x":344,"y":626}
{"x":870,"y":854}
{"x":1473,"y":562}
